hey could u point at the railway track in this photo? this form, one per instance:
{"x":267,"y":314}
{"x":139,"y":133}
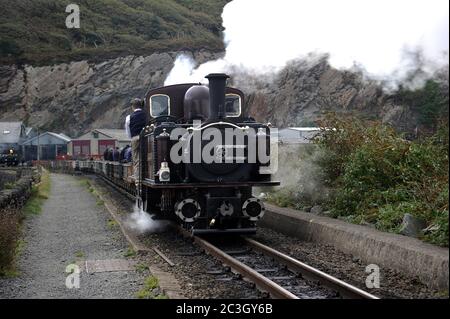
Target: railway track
{"x":271,"y":271}
{"x":290,"y":279}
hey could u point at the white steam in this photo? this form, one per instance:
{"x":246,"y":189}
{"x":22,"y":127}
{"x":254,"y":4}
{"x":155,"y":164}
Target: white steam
{"x":143,"y":223}
{"x":387,"y":39}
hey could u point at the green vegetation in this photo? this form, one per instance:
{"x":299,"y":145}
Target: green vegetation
{"x":9,"y":185}
{"x":130,"y":252}
{"x":34,"y":31}
{"x":10,"y":245}
{"x":39,"y":193}
{"x":112,"y":224}
{"x":378,"y":176}
{"x":79,"y":254}
{"x":429,"y":102}
{"x":84,"y":182}
{"x":150,"y":284}
{"x":366,"y":172}
{"x":141,"y":267}
{"x":10,"y":219}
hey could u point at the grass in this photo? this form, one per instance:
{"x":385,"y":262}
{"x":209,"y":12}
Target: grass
{"x":21,"y":243}
{"x":150,"y":283}
{"x":10,"y":271}
{"x":85,"y":183}
{"x":33,"y":31}
{"x":39,"y":193}
{"x":130,"y":252}
{"x":112,"y":224}
{"x":79,"y":254}
{"x":9,"y":185}
{"x":141,"y":267}
{"x":100,"y":202}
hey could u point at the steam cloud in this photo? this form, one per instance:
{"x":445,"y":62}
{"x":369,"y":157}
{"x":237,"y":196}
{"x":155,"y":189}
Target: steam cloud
{"x":143,"y":223}
{"x":389,"y":40}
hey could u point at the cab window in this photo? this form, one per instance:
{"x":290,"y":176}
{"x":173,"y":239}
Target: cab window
{"x":159,"y":105}
{"x":233,"y":105}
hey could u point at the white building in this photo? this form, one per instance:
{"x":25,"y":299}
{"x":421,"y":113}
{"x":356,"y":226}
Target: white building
{"x":297,"y":135}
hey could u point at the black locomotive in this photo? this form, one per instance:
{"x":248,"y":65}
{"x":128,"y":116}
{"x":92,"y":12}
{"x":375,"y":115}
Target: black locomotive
{"x":201,"y":156}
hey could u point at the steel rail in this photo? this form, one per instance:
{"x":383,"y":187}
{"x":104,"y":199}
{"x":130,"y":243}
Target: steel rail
{"x":345,"y":290}
{"x":261,"y":282}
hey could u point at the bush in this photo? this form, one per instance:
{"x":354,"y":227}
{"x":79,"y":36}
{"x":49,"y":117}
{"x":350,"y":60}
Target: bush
{"x":9,"y":232}
{"x":378,"y":176}
{"x":430,"y":102}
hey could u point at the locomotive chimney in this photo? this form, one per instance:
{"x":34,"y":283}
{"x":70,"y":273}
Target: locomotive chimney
{"x":217,"y":84}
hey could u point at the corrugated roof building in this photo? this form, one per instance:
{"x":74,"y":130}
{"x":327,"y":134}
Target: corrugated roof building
{"x":95,"y":142}
{"x":51,"y":146}
{"x":12,"y":134}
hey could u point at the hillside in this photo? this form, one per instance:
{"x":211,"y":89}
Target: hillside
{"x":34,"y":31}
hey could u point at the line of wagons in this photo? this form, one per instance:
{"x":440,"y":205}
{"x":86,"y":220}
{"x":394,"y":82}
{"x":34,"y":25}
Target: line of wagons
{"x":118,"y":173}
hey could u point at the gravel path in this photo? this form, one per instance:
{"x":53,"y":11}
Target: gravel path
{"x":73,"y":227}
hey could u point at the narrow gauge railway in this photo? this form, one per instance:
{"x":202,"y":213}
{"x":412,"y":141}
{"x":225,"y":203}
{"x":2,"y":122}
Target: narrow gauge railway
{"x":277,"y":274}
{"x":271,"y":271}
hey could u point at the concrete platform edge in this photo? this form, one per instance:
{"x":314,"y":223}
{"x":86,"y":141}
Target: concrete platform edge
{"x":429,"y":263}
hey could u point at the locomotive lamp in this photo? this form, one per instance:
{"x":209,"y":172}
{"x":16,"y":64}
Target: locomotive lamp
{"x":164,"y":172}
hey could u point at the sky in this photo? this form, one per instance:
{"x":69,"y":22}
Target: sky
{"x":381,"y":37}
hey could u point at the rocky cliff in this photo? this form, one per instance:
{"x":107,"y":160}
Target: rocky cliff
{"x":74,"y":97}
{"x":305,"y":90}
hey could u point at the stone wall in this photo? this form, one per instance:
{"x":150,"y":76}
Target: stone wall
{"x":7,"y":177}
{"x":16,"y":196}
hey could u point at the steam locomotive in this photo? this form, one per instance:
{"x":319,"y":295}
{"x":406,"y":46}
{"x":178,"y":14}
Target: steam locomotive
{"x":200,"y":157}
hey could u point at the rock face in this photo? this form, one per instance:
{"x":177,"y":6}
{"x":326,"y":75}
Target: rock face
{"x":74,"y":97}
{"x":305,"y":90}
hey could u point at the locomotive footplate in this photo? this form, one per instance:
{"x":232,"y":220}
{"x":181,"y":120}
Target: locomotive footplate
{"x":151,"y":183}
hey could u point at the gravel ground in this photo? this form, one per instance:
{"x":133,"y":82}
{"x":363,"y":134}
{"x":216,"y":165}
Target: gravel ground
{"x":72,"y":227}
{"x":345,"y":267}
{"x":200,"y":276}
